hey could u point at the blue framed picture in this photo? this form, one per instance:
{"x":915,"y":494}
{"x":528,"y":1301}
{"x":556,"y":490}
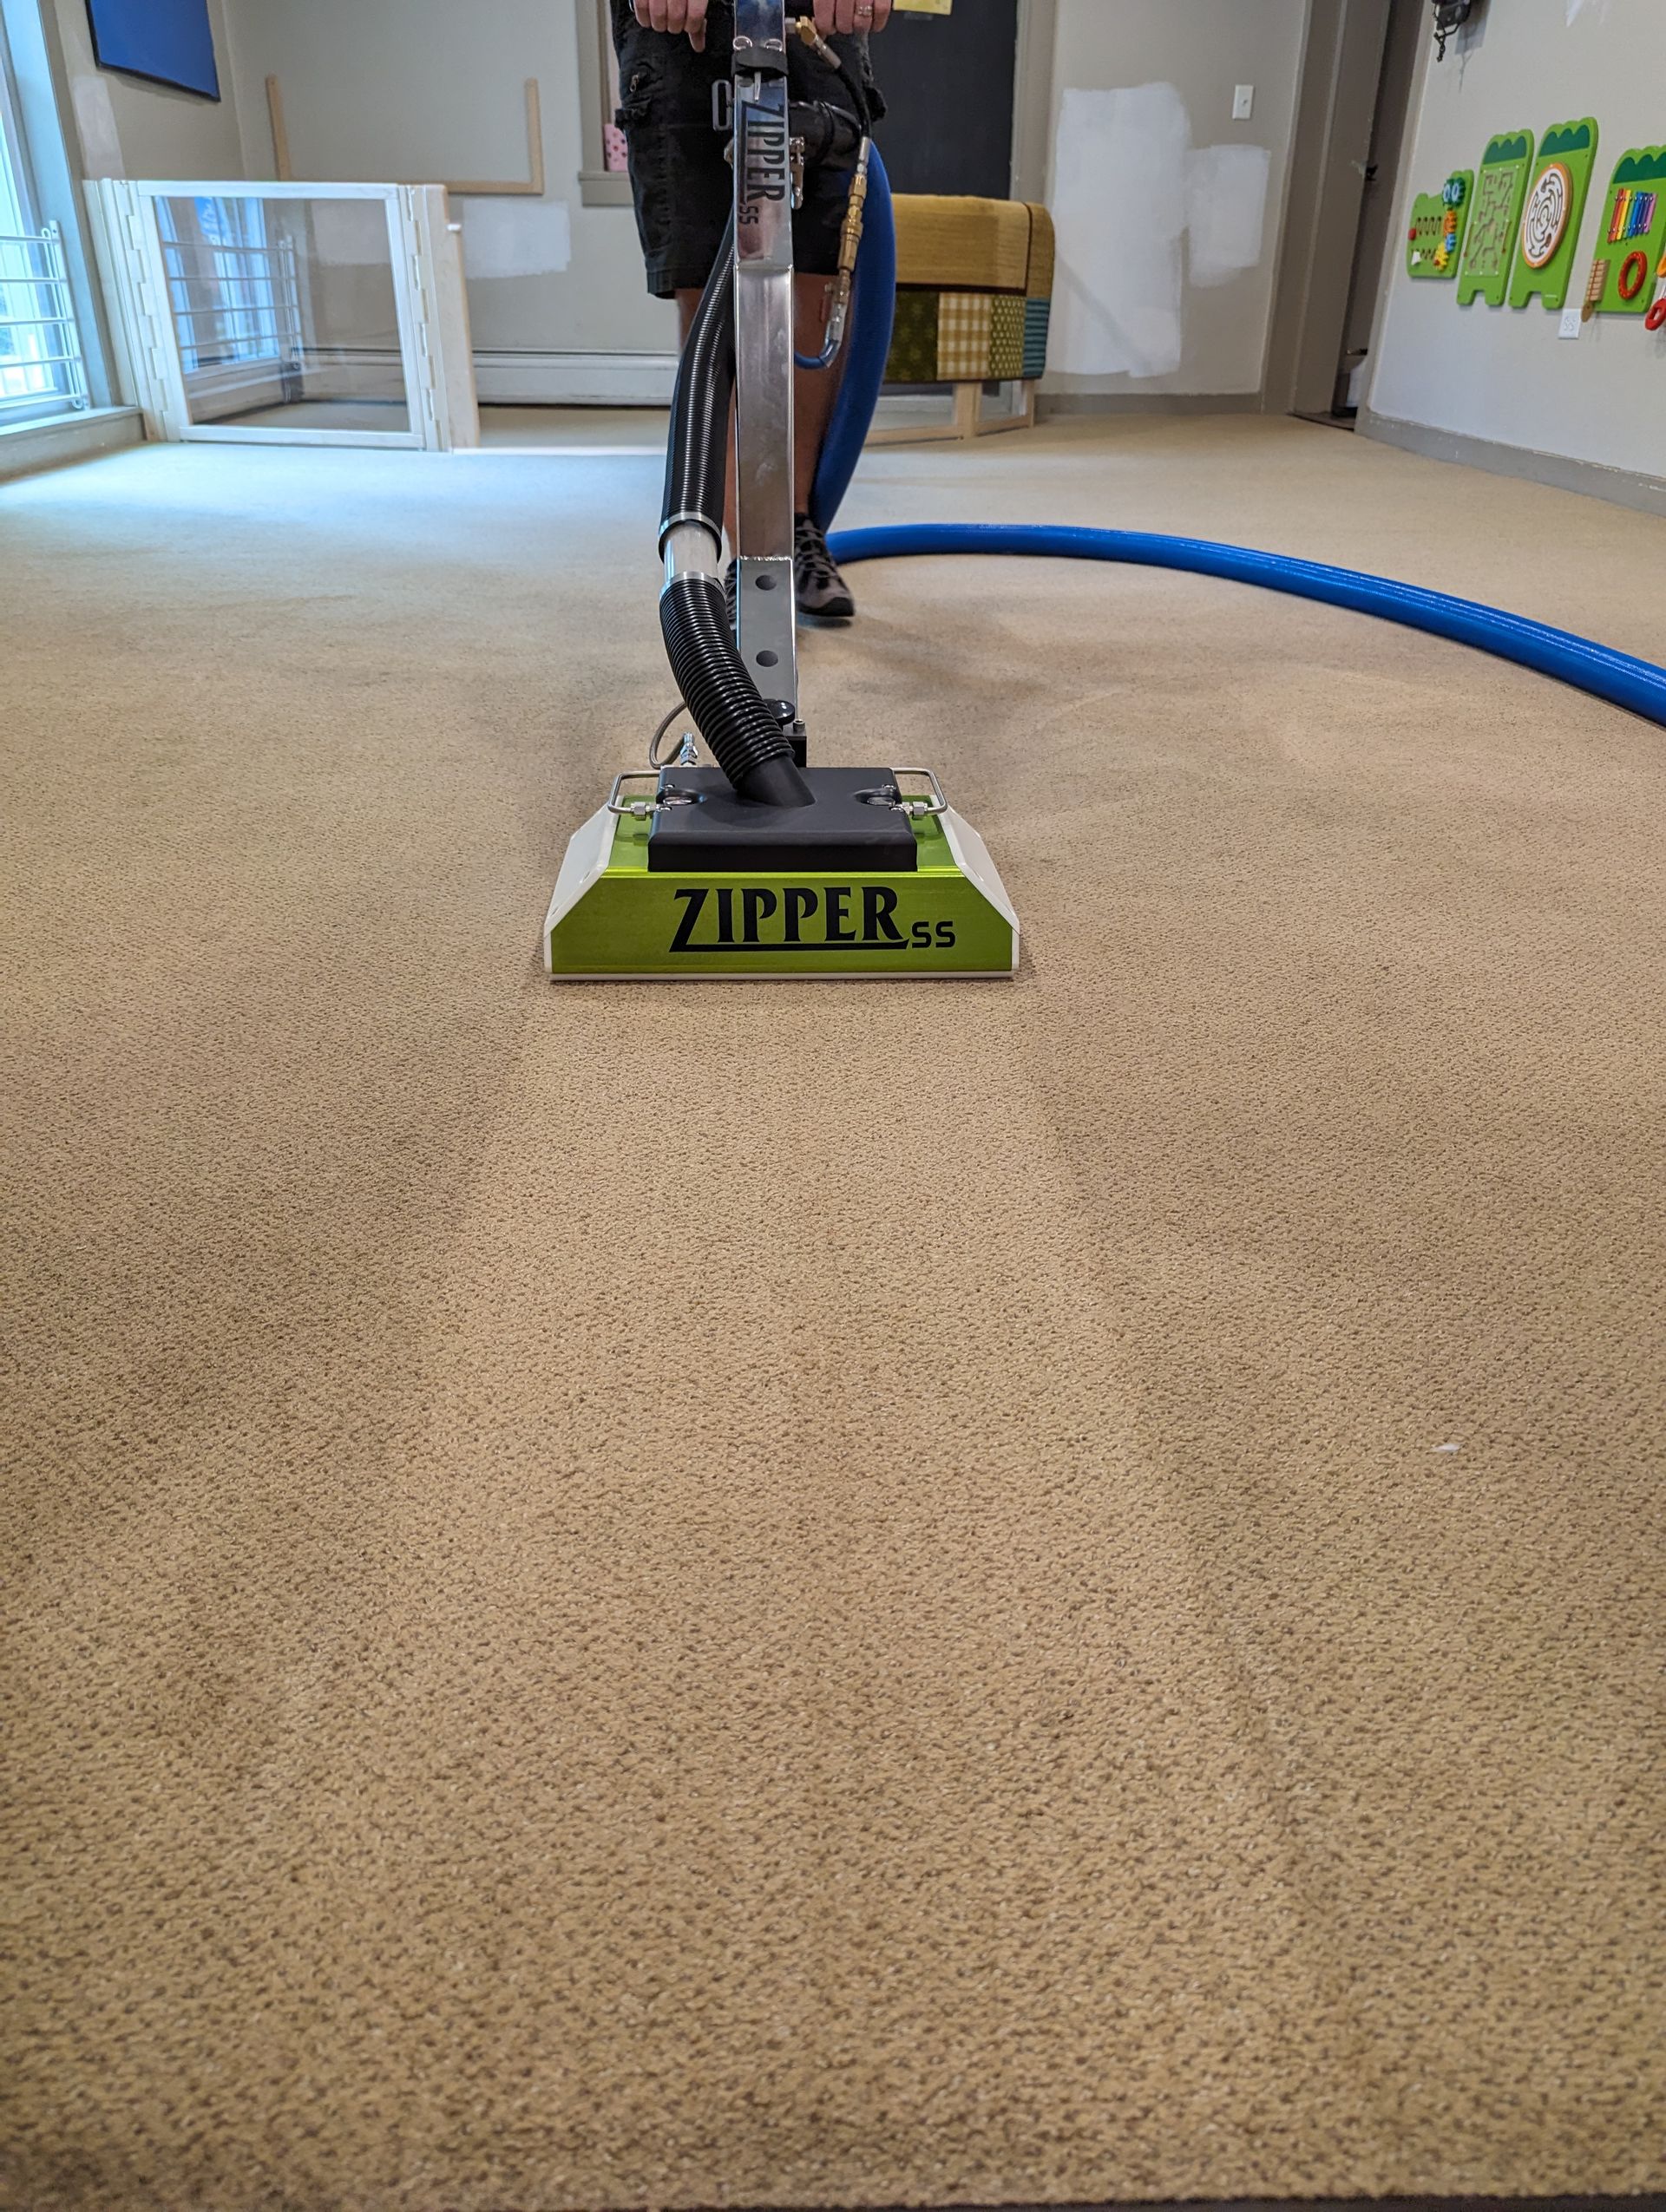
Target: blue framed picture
{"x":167,"y":41}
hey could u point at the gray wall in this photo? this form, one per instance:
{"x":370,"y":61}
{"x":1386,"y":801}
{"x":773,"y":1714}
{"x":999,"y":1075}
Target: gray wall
{"x":1500,"y":374}
{"x":380,"y":89}
{"x":431,"y":89}
{"x":1124,"y":284}
{"x":123,"y":126}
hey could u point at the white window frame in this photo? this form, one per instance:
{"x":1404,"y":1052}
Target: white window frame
{"x":598,"y":185}
{"x":13,"y":154}
{"x":429,"y":302}
{"x":42,"y":275}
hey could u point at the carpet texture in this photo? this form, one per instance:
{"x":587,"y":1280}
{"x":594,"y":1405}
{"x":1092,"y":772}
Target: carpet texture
{"x":812,"y":1596}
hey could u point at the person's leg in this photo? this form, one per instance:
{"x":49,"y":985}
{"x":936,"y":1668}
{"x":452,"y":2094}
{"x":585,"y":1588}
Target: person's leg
{"x":814,"y":390}
{"x":681,"y":183}
{"x":817,"y":229}
{"x":821,"y":589}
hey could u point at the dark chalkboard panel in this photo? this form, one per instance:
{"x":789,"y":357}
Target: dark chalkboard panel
{"x":947,"y":81}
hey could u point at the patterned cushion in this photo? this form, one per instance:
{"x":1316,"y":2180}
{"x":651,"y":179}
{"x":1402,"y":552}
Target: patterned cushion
{"x":974,"y":281}
{"x":970,"y":244}
{"x":914,"y":339}
{"x":1007,"y":337}
{"x":963,"y":320}
{"x":1038,"y":313}
{"x":1043,"y":254}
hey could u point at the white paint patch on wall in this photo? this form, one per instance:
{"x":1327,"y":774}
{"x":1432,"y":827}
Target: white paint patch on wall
{"x":1227,"y":188}
{"x":1119,"y":207}
{"x":1127,"y":187}
{"x":516,"y":238}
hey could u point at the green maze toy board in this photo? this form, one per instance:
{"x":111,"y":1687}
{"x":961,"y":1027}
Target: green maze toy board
{"x":1439,"y":221}
{"x":1501,"y":185}
{"x":1631,"y":236}
{"x":1549,"y":219}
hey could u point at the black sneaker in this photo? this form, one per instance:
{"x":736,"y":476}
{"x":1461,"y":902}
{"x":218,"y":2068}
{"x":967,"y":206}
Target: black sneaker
{"x":822,"y":591}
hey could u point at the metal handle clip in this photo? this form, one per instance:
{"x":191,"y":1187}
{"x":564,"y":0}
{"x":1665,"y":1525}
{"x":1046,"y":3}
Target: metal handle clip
{"x":644,"y":809}
{"x":917,"y":809}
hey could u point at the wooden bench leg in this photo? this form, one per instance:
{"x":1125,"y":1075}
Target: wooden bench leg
{"x":1024,"y":420}
{"x":915,"y":434}
{"x":968,"y":422}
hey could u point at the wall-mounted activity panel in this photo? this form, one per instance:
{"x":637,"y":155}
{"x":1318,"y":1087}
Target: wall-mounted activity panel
{"x":1439,"y":221}
{"x":1550,"y":217}
{"x":1495,"y":220}
{"x":1631,"y":236}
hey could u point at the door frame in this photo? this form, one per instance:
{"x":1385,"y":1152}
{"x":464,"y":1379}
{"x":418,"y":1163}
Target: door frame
{"x":1343,"y":54}
{"x":1038,"y":32}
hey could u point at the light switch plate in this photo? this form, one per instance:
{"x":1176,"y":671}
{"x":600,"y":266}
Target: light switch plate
{"x":1573,"y":321}
{"x":1243,"y":103}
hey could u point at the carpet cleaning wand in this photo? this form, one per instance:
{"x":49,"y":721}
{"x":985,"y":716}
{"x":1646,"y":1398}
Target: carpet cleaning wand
{"x":764,"y":866}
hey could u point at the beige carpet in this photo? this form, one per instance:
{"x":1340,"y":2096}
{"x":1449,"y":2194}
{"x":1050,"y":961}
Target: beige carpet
{"x":828,"y":1595}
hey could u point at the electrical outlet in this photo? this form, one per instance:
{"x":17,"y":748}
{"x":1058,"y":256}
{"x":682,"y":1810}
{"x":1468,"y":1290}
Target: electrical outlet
{"x":1243,"y":103}
{"x":1573,"y":321}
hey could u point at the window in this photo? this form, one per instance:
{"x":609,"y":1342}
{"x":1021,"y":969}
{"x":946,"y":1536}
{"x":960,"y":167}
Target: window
{"x":227,"y":286}
{"x":602,"y":180}
{"x":615,"y":158}
{"x":41,"y":368}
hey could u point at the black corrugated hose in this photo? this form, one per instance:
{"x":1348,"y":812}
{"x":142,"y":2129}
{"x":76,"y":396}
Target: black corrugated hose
{"x":697,"y":454}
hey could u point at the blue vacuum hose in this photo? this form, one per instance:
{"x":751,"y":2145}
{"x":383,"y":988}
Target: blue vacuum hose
{"x":1637,"y":685}
{"x":1619,"y":677}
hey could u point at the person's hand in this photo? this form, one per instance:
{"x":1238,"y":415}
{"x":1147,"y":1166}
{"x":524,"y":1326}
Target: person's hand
{"x":848,"y":16}
{"x":679,"y":16}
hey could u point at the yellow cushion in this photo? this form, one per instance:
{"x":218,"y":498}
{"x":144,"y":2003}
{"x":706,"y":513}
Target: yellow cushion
{"x":964,"y":244}
{"x":1043,"y":252}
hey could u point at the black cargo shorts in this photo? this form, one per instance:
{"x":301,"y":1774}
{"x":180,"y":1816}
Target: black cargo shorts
{"x":680,"y":177}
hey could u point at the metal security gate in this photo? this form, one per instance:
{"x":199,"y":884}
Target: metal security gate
{"x":41,"y":371}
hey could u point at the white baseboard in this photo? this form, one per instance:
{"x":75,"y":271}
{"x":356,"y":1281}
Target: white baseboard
{"x":518,"y":376}
{"x":512,"y":377}
{"x":1622,"y":487}
{"x":26,"y":446}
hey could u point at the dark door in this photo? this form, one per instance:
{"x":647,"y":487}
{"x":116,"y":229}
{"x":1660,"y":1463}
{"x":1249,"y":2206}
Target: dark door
{"x":1407,"y":28}
{"x":947,"y":81}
